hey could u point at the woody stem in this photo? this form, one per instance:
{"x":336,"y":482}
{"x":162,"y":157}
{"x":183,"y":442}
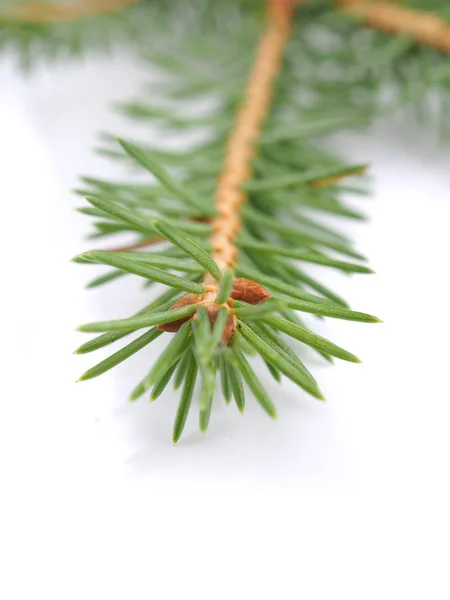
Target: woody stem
{"x":424,"y":27}
{"x":40,"y":12}
{"x":242,"y":143}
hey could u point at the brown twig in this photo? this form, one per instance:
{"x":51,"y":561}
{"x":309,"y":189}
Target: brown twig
{"x":240,"y":151}
{"x":144,"y":244}
{"x":153,"y":241}
{"x":425,"y":28}
{"x":242,"y":142}
{"x":39,"y":12}
{"x":334,"y":179}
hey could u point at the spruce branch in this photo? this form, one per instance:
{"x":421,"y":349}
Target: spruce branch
{"x":424,"y":27}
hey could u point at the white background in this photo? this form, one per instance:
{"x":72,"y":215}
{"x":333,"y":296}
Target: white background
{"x":347,"y":498}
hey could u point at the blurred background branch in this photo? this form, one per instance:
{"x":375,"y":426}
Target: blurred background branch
{"x":423,"y":26}
{"x":40,"y":12}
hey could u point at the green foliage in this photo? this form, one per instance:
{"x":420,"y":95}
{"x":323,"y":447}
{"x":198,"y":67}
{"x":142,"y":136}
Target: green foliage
{"x":188,"y":245}
{"x":226,"y":285}
{"x":121,"y":355}
{"x":186,"y":397}
{"x":140,"y":267}
{"x":175,"y":350}
{"x":234,"y":383}
{"x":207,"y":347}
{"x":273,"y":357}
{"x":141,"y":321}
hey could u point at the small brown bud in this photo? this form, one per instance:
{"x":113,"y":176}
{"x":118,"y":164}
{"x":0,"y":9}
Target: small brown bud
{"x":213,"y":311}
{"x":230,"y":325}
{"x":248,"y":291}
{"x":174,"y":326}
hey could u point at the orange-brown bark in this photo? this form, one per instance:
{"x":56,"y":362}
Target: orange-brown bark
{"x":242,"y":145}
{"x":424,"y":27}
{"x":39,"y":12}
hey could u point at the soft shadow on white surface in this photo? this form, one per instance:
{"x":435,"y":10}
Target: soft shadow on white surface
{"x":82,"y":447}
